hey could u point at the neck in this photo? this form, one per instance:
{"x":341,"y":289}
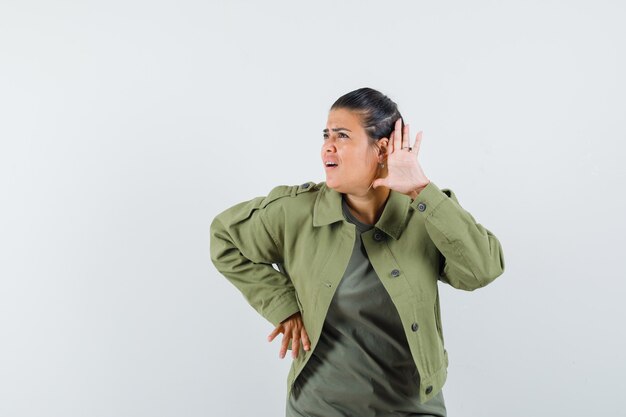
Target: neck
{"x":369,"y":206}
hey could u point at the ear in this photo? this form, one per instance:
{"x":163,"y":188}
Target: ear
{"x":383,"y":147}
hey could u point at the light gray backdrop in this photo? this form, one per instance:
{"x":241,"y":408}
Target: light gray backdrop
{"x":126,"y":126}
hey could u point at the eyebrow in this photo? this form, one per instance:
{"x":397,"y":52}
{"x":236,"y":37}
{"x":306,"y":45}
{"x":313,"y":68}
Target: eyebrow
{"x":337,"y":129}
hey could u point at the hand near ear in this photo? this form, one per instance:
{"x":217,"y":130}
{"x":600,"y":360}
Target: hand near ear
{"x":404,"y":173}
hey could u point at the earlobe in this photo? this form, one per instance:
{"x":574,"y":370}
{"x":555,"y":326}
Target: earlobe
{"x":381,"y":158}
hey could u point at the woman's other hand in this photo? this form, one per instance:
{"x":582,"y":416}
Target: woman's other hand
{"x":292,"y":329}
{"x":404,"y":173}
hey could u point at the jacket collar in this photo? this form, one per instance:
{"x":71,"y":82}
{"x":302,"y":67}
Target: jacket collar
{"x":327,"y":210}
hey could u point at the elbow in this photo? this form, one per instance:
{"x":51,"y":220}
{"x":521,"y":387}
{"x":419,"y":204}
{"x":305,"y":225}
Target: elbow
{"x":491,"y":269}
{"x":218,"y":245}
{"x":472,"y":272}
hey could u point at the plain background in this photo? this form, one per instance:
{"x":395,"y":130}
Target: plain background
{"x":126,"y":126}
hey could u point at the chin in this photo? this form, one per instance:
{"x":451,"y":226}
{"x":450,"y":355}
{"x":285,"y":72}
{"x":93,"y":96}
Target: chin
{"x":341,"y":188}
{"x":334,"y":184}
{"x":331,"y":184}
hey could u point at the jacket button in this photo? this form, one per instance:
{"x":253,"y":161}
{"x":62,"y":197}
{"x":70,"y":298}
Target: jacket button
{"x":429,"y":389}
{"x":414,"y":327}
{"x":378,"y":236}
{"x":395,"y":273}
{"x":421,"y":206}
{"x":305,"y":185}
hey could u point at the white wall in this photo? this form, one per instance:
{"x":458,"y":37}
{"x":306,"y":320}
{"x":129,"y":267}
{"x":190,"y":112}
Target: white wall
{"x":126,"y":126}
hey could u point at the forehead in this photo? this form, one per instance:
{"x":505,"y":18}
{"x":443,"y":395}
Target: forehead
{"x":343,"y":118}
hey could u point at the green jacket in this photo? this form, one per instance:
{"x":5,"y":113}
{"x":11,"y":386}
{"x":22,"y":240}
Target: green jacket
{"x":302,"y":230}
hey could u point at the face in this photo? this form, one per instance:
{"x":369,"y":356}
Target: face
{"x":346,"y":144}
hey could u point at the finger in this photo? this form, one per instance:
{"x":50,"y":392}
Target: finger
{"x":295,"y":345}
{"x":305,"y":339}
{"x":418,"y":142}
{"x":284,"y":344}
{"x":405,"y":137}
{"x":274,"y":333}
{"x":397,"y":135}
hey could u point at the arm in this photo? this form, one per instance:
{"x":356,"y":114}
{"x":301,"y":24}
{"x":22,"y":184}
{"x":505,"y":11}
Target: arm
{"x":472,"y":256}
{"x":243,"y":249}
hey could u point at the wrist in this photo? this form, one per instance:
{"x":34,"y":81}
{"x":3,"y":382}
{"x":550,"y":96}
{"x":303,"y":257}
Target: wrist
{"x":415,"y":192}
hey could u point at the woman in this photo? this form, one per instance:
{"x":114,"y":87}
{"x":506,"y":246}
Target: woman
{"x":358,"y":258}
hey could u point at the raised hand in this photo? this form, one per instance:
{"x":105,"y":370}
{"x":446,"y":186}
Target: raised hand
{"x":292,"y":329}
{"x":404,"y":173}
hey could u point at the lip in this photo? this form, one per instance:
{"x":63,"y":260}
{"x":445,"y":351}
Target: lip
{"x":330,"y":159}
{"x":334,"y":161}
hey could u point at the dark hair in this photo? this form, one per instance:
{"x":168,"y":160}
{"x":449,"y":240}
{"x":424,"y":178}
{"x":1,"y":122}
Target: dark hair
{"x":378,"y":112}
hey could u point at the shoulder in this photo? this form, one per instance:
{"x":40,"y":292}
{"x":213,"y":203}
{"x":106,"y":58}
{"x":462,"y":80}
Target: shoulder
{"x":293,"y":194}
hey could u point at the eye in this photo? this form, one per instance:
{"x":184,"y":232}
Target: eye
{"x":340,"y":134}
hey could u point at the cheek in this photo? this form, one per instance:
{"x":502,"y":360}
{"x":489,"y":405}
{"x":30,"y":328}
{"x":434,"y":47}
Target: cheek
{"x":371,"y":157}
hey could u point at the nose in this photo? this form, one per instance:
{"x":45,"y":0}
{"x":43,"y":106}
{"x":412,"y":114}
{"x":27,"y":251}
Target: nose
{"x":329,"y":146}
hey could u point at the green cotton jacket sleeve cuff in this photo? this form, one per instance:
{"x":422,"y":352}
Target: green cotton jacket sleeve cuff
{"x":471,"y":255}
{"x":243,"y":249}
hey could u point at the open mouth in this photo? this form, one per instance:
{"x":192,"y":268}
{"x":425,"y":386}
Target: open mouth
{"x":330,"y":165}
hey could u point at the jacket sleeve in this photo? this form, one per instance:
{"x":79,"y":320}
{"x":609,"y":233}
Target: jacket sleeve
{"x":245,"y":240}
{"x":471,"y":256}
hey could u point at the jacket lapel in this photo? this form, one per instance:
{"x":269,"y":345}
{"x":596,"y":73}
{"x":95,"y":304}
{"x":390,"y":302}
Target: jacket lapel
{"x":327,"y":210}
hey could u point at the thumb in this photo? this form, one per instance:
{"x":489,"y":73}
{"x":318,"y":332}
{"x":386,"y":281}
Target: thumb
{"x":275,"y":332}
{"x":378,"y":182}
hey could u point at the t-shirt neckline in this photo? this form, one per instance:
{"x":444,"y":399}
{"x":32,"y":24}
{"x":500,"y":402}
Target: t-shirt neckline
{"x":362,"y":227}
